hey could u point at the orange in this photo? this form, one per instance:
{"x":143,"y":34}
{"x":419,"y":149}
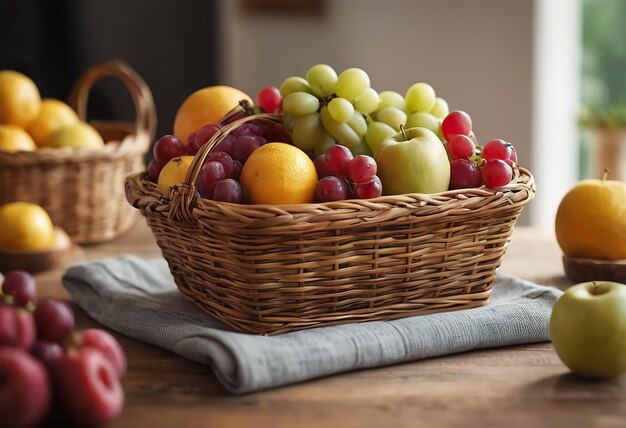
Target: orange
{"x":19,"y":99}
{"x":15,"y":139}
{"x":207,"y":105}
{"x":174,"y":172}
{"x":53,"y":115}
{"x":591,"y":220}
{"x":279,"y":173}
{"x":25,"y":226}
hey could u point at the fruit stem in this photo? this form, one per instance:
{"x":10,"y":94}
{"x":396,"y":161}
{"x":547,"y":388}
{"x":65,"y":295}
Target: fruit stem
{"x":594,"y":286}
{"x":403,"y":133}
{"x":605,"y":174}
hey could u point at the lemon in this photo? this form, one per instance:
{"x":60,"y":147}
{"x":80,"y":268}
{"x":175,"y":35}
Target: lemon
{"x":53,"y":115}
{"x":78,"y":135}
{"x":591,"y":220}
{"x":25,"y":226}
{"x":15,"y":139}
{"x":174,"y":172}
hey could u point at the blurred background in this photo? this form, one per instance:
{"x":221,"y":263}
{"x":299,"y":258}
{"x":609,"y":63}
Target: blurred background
{"x":546,"y":75}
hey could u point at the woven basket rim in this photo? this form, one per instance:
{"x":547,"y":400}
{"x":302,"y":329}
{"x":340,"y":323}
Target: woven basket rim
{"x":132,"y":144}
{"x":153,"y":199}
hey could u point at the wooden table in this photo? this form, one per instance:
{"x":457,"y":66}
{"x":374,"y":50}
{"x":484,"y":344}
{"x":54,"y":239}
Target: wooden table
{"x":518,"y":386}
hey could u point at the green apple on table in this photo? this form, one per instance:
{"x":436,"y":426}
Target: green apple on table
{"x":588,"y":329}
{"x":413,"y":161}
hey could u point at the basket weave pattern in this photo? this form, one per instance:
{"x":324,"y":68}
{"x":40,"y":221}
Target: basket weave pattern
{"x":81,"y":189}
{"x":273,"y":269}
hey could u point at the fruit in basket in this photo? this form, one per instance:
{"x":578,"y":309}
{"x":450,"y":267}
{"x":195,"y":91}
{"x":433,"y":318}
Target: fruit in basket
{"x":15,"y":139}
{"x":420,"y":97}
{"x":343,"y":176}
{"x":376,"y":133}
{"x":53,"y":115}
{"x":464,"y":174}
{"x":25,"y":391}
{"x":588,"y":329}
{"x":278,"y":173}
{"x":325,"y":108}
{"x":25,"y":226}
{"x":174,"y":172}
{"x":269,"y":99}
{"x":496,"y":173}
{"x":19,"y":99}
{"x":78,"y":135}
{"x":591,"y":220}
{"x":413,"y":161}
{"x":440,"y":109}
{"x":456,"y":122}
{"x":207,"y":105}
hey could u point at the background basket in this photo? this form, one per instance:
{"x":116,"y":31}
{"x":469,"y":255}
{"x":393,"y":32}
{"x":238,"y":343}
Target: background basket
{"x":273,"y":269}
{"x":82,"y":189}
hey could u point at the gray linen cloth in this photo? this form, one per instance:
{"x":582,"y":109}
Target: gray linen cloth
{"x":139,"y":299}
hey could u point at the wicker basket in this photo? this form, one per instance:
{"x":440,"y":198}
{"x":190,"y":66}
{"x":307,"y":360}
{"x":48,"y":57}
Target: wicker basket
{"x":274,"y":269}
{"x":82,"y":189}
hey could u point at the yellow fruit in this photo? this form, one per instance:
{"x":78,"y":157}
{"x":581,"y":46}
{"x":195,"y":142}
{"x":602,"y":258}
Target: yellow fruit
{"x":591,"y":220}
{"x":78,"y":135}
{"x":25,"y":226}
{"x":53,"y":115}
{"x":207,"y":105}
{"x":19,"y":99}
{"x":15,"y":139}
{"x":174,"y":172}
{"x":279,"y":173}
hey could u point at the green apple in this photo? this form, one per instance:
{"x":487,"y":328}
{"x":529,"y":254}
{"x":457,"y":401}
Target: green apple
{"x":413,"y":161}
{"x":588,"y":329}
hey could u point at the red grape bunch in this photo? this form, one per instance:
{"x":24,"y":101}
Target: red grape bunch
{"x":48,"y":370}
{"x":218,"y":178}
{"x":342,"y":176}
{"x":470,"y":167}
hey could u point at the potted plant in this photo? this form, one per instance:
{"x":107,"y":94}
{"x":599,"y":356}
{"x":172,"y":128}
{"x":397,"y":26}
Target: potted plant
{"x":607,"y":136}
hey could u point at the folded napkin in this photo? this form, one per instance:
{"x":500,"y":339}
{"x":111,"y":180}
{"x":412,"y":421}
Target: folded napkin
{"x":138,"y":298}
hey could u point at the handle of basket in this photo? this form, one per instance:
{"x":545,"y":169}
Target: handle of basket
{"x":183,"y":196}
{"x":146,"y":120}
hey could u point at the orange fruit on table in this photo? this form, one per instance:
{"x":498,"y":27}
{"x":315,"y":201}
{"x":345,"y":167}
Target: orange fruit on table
{"x":279,"y":173}
{"x":25,"y":226}
{"x":53,"y":115}
{"x":207,"y":105}
{"x":591,"y":220}
{"x":19,"y":99}
{"x":15,"y":139}
{"x":174,"y":172}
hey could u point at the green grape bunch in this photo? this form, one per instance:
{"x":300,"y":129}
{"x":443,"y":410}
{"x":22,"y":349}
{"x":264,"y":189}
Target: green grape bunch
{"x":324,"y":108}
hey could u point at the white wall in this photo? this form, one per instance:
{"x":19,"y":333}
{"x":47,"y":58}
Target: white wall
{"x":556,"y":100}
{"x":477,"y":54}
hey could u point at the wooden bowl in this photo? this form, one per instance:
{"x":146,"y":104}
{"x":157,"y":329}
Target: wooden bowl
{"x":35,"y":261}
{"x":583,"y":270}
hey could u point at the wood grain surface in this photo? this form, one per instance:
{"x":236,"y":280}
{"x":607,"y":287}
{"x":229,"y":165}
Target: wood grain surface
{"x":519,"y":386}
